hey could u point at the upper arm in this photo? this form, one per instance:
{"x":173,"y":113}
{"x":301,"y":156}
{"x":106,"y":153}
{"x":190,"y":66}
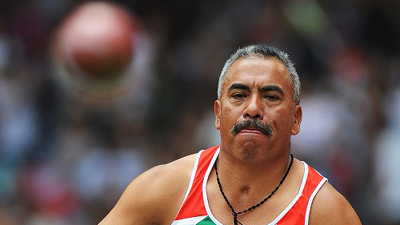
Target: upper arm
{"x":330,"y":207}
{"x":152,"y":198}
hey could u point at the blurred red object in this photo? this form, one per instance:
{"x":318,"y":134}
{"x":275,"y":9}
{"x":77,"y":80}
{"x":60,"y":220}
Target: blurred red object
{"x":95,"y":41}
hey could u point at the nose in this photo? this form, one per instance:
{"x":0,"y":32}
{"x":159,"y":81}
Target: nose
{"x":253,"y":108}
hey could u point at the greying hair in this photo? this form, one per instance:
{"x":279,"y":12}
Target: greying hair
{"x":263,"y":51}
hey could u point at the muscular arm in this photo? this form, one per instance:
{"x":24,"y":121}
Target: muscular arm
{"x":154,"y":197}
{"x":330,"y":207}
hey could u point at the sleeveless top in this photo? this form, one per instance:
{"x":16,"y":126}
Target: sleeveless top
{"x":195,"y":209}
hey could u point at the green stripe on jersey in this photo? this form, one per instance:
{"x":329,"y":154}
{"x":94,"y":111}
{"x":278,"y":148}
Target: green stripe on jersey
{"x":206,"y":221}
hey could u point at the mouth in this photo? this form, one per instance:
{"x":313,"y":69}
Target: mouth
{"x":250,"y":130}
{"x":252,"y":127}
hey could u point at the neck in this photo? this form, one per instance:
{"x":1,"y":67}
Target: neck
{"x":246,"y":179}
{"x":236,"y":212}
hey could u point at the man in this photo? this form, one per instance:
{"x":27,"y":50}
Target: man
{"x":251,"y":178}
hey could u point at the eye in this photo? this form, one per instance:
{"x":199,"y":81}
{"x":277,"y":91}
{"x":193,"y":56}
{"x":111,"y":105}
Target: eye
{"x":271,"y":97}
{"x":238,"y":95}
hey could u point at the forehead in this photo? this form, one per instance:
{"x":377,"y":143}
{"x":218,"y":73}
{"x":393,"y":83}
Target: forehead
{"x":258,"y":71}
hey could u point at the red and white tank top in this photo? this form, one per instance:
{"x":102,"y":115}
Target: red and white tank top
{"x":195,"y":209}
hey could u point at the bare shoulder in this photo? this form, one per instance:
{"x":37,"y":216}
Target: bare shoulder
{"x":330,"y":207}
{"x":155,"y":196}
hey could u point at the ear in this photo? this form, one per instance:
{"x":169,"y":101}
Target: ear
{"x":298,"y":116}
{"x":217,"y":112}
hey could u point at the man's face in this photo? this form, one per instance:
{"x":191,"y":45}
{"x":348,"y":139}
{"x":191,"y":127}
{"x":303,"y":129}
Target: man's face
{"x":256,"y":111}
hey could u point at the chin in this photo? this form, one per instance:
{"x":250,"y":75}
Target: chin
{"x":246,"y":150}
{"x":251,"y":151}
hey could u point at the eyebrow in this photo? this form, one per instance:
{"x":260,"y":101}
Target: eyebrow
{"x":272,"y":88}
{"x":262,"y":89}
{"x":239,"y":86}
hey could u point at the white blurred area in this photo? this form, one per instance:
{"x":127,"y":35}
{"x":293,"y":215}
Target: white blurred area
{"x":387,"y":158}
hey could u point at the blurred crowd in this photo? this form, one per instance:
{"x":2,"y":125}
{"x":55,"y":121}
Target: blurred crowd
{"x":66,"y":157}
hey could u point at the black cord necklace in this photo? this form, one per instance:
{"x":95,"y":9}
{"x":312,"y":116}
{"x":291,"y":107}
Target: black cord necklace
{"x":234,"y":213}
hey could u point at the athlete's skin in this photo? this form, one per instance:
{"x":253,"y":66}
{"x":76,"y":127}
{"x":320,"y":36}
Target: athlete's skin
{"x":250,"y":164}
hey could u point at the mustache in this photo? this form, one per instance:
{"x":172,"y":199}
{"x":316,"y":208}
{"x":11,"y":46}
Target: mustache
{"x":265,"y":128}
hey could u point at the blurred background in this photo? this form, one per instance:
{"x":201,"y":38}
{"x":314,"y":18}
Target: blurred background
{"x":67,"y":153}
